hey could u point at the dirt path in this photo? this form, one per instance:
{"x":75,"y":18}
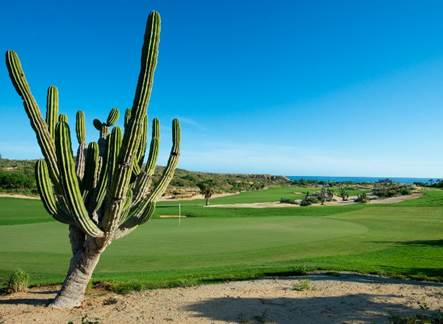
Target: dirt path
{"x":12,"y":195}
{"x":347,"y":298}
{"x":338,"y":202}
{"x":199,"y":196}
{"x":394,"y":200}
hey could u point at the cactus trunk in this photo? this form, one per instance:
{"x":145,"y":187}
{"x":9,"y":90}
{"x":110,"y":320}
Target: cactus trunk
{"x":81,"y":268}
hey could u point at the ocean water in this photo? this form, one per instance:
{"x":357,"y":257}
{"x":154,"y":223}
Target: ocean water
{"x":362,"y":179}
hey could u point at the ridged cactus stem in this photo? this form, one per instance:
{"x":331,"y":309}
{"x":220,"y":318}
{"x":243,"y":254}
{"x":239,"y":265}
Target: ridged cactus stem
{"x":127,"y":117}
{"x":46,"y":191}
{"x":44,"y":137}
{"x":80,"y":131}
{"x":112,"y":117}
{"x":154,"y":147}
{"x":144,"y":180}
{"x":141,"y":212}
{"x":70,"y":183}
{"x":121,"y":181}
{"x":168,"y":172}
{"x":52,"y":109}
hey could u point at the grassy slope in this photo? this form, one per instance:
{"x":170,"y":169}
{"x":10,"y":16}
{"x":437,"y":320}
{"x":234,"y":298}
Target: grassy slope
{"x":403,"y":239}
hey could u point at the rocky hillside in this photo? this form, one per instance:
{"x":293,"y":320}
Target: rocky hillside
{"x":18,"y":176}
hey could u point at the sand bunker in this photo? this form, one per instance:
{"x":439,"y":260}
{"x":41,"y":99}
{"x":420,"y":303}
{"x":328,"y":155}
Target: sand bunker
{"x":348,"y":298}
{"x":338,"y":202}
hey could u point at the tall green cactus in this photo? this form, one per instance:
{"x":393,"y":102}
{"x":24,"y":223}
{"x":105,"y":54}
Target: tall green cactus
{"x":105,"y":191}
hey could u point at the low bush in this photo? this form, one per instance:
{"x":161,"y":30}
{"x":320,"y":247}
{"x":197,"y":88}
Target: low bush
{"x":301,"y":285}
{"x":386,"y":190}
{"x":343,"y":193}
{"x":288,"y":201}
{"x":362,"y":198}
{"x":18,"y":281}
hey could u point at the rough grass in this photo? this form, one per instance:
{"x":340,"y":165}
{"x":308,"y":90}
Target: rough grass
{"x":18,"y":281}
{"x":402,"y":240}
{"x":302,"y":285}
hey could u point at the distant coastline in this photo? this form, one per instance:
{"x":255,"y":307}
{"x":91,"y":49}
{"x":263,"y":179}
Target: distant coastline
{"x":362,"y":179}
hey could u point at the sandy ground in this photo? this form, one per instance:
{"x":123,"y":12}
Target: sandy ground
{"x":199,"y":196}
{"x":11,"y":195}
{"x":338,"y":202}
{"x":394,"y":200}
{"x":348,"y":298}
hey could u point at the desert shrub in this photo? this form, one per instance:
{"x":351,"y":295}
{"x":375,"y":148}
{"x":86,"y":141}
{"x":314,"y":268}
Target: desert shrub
{"x":308,"y":200}
{"x":406,"y":190}
{"x":13,"y":180}
{"x":343,"y":193}
{"x":386,"y":190}
{"x":18,"y":281}
{"x":324,"y":195}
{"x":362,"y":198}
{"x":288,"y":201}
{"x":301,"y":285}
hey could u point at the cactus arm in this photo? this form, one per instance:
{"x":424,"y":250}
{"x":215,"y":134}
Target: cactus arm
{"x":121,"y":180}
{"x":133,"y":222}
{"x":63,"y":118}
{"x":44,"y":138}
{"x":142,"y":146}
{"x":52,"y":109}
{"x":127,"y":117}
{"x":141,"y":188}
{"x":154,"y":147}
{"x":46,"y":191}
{"x":80,"y":131}
{"x":109,"y":162}
{"x":91,"y":167}
{"x":144,"y":180}
{"x":70,"y":183}
{"x":112,"y":117}
{"x":141,"y":149}
{"x":81,"y":160}
{"x":141,"y":213}
{"x":168,"y":173}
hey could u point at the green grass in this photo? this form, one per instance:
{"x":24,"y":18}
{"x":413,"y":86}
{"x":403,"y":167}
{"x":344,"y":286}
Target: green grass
{"x":403,"y":240}
{"x":22,"y":211}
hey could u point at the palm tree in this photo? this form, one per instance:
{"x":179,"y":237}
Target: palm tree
{"x":206,"y":189}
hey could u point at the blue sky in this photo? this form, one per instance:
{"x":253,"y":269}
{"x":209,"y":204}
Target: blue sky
{"x":284,"y":87}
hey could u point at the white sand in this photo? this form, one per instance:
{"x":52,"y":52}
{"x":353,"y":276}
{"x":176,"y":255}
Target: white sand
{"x":348,"y":298}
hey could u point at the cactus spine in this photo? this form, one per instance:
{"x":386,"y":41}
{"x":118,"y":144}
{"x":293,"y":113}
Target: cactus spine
{"x":105,"y":192}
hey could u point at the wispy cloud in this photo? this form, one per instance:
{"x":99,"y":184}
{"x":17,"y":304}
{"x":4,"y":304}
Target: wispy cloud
{"x":192,"y":123}
{"x":298,"y":160}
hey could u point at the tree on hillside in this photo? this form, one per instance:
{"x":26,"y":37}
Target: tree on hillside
{"x":325,"y":194}
{"x":343,"y":193}
{"x":206,"y":189}
{"x":107,"y":191}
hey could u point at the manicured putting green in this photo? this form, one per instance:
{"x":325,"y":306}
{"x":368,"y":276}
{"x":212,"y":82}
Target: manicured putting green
{"x":404,"y":239}
{"x":168,"y":245}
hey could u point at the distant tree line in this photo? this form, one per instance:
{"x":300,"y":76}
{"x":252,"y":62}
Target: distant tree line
{"x":15,"y":181}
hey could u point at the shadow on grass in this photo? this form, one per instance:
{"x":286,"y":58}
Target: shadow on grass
{"x":423,"y":242}
{"x":331,"y":309}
